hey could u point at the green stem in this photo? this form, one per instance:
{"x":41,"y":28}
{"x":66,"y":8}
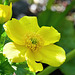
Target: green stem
{"x":50,"y":69}
{"x":49,"y":4}
{"x":6,"y":2}
{"x":70,"y":55}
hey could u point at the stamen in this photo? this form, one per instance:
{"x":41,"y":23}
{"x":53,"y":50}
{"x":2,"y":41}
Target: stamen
{"x":33,"y":41}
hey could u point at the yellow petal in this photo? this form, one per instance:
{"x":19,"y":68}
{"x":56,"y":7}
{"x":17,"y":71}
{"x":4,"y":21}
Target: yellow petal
{"x":5,"y":12}
{"x":9,"y":13}
{"x":15,"y":31}
{"x":30,"y":24}
{"x":2,"y":16}
{"x":52,"y":55}
{"x":49,"y":34}
{"x":14,"y":52}
{"x":35,"y":67}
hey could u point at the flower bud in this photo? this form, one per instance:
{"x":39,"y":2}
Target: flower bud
{"x":5,"y":13}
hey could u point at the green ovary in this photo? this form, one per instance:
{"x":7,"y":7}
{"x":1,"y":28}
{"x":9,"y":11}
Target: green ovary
{"x":34,"y":40}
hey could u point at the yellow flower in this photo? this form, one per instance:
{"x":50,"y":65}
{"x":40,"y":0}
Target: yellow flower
{"x":5,"y":13}
{"x":33,"y":44}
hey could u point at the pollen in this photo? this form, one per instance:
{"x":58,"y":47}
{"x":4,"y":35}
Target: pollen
{"x":33,"y":41}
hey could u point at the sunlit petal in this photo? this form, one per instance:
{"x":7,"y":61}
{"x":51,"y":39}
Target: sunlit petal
{"x":52,"y":55}
{"x":30,"y":24}
{"x":49,"y":34}
{"x":15,"y":31}
{"x":14,"y":52}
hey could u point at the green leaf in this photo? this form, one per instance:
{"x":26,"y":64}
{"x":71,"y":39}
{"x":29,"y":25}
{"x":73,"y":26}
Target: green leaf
{"x":5,"y":68}
{"x":48,"y":18}
{"x":22,"y":69}
{"x":2,"y":58}
{"x":2,"y":40}
{"x":49,"y":4}
{"x":6,"y":2}
{"x":1,"y":26}
{"x":67,"y":41}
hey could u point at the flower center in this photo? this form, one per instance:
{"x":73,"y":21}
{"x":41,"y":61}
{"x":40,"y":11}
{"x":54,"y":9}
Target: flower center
{"x":33,"y":41}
